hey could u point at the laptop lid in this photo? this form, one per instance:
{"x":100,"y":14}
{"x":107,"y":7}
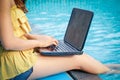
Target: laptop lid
{"x":78,"y":28}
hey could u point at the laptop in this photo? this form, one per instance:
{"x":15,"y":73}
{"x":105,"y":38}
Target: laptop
{"x":75,"y":36}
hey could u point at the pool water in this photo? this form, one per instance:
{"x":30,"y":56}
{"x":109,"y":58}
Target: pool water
{"x":51,"y":17}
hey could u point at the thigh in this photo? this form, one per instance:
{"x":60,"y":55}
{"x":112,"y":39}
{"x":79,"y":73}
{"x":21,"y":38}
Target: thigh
{"x":46,"y":66}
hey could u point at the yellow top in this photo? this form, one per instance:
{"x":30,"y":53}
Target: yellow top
{"x":13,"y":63}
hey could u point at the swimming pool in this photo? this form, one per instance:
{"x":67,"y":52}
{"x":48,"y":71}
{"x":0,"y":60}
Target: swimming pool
{"x":103,"y":42}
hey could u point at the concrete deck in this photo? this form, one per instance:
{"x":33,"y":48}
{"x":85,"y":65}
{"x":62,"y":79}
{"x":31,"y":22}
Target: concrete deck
{"x":79,"y":75}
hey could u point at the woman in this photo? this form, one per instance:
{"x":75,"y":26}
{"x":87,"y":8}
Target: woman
{"x":19,"y":61}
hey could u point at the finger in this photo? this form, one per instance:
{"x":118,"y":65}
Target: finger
{"x":54,"y":43}
{"x":51,"y":43}
{"x":57,"y":41}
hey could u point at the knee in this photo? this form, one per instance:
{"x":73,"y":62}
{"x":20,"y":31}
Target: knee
{"x":78,"y":59}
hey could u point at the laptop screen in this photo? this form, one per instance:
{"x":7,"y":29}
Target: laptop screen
{"x":78,"y":27}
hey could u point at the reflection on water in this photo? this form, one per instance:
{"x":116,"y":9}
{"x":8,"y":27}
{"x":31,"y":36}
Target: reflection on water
{"x":103,"y":42}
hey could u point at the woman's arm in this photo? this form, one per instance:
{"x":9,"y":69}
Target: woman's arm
{"x":42,"y":38}
{"x":7,"y":38}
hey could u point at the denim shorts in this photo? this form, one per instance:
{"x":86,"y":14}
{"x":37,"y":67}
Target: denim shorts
{"x":23,"y":76}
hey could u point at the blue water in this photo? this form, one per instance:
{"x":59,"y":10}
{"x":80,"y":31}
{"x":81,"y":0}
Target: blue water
{"x":51,"y":17}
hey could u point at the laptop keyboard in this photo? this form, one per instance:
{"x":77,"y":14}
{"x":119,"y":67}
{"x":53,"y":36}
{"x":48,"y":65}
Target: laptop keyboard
{"x":62,"y":47}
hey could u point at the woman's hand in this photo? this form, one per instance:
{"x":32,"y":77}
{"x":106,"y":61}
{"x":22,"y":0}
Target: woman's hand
{"x":44,"y":40}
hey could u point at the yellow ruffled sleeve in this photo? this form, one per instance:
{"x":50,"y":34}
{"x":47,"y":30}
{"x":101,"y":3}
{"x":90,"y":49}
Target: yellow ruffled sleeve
{"x":20,"y":22}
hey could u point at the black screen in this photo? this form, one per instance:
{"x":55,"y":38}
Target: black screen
{"x":78,"y":27}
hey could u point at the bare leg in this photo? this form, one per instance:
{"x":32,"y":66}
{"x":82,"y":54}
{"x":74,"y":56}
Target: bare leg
{"x":51,"y":65}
